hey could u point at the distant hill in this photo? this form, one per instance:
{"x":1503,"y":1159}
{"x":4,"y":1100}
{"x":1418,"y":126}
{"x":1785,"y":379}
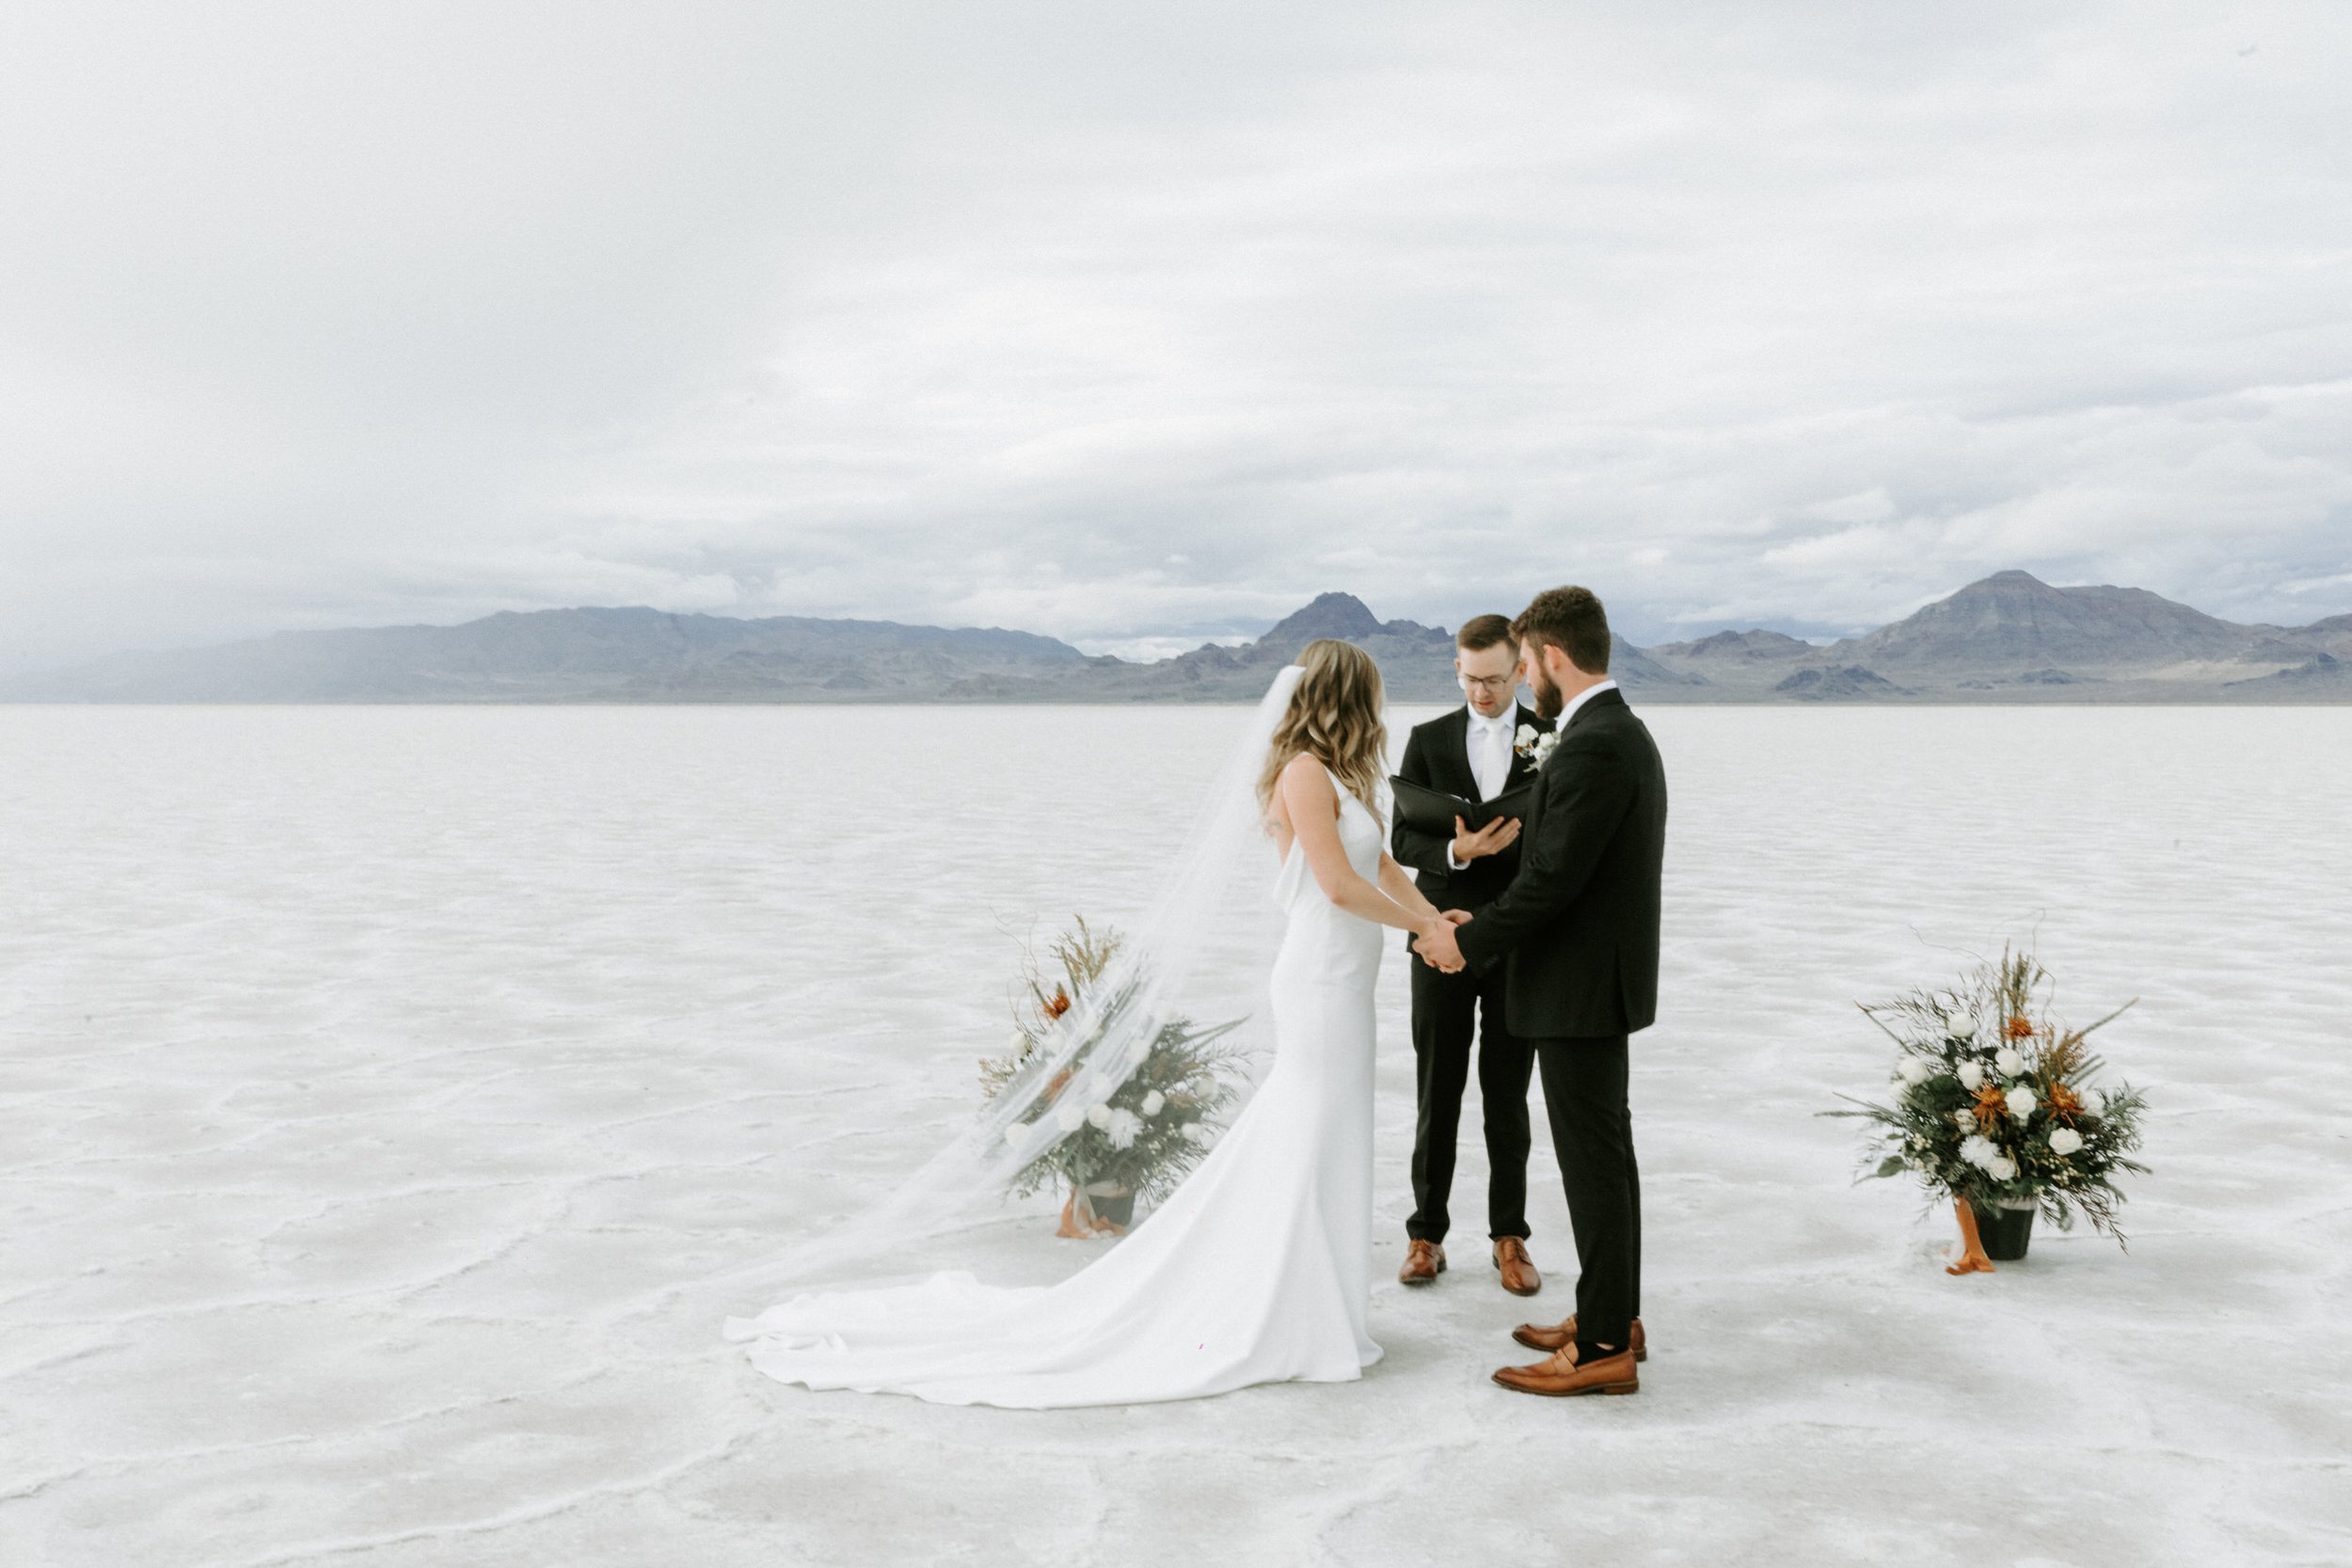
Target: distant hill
{"x":1836,"y":682}
{"x":2321,"y":675}
{"x":2014,"y":621}
{"x":2007,"y":639}
{"x":2013,"y":638}
{"x":1744,"y":646}
{"x":2332,"y":636}
{"x":630,"y":655}
{"x":1413,"y":658}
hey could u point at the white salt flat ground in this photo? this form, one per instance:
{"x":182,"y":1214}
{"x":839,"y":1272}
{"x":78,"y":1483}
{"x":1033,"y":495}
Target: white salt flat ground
{"x":366,"y":1076}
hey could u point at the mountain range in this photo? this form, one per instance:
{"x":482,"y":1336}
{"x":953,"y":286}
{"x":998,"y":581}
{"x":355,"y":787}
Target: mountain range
{"x":2009,"y":637}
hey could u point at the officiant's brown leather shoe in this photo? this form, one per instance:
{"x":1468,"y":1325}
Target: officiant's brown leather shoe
{"x":1516,"y":1267}
{"x":1423,"y":1262}
{"x":1562,"y":1374}
{"x":1537,"y":1337}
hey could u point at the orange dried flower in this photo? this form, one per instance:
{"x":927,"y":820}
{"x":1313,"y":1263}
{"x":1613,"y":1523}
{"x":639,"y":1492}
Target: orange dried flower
{"x":2064,"y":1102}
{"x":1058,"y":1003}
{"x":1992,"y":1107}
{"x":2021,"y":1027}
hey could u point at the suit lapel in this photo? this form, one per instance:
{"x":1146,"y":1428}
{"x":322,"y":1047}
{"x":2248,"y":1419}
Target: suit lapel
{"x":1521,"y":767}
{"x":1465,"y":776}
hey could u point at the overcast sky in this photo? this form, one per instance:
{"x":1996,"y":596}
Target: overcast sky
{"x":1137,"y":323}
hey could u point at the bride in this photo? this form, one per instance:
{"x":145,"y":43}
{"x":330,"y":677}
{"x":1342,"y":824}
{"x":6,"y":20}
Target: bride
{"x":1257,"y":1269}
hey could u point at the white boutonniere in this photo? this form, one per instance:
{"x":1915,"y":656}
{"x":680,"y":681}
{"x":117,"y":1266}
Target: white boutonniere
{"x":1534,"y":744}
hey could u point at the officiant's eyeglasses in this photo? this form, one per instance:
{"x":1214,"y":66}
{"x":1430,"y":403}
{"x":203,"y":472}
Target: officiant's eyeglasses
{"x":1496,"y":684}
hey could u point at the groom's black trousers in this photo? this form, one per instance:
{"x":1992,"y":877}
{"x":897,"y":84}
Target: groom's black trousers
{"x":1592,"y":1133}
{"x":1448,"y":1010}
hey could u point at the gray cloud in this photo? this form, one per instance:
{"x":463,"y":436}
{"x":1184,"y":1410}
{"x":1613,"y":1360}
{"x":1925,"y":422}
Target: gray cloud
{"x":1141,"y":324}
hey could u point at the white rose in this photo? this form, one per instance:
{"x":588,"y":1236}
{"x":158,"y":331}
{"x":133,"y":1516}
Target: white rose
{"x":1963,"y":1119}
{"x":1154,"y":1102}
{"x":1198,"y":1132}
{"x":2003,"y":1167}
{"x":1971,"y":1076}
{"x":1069,"y":1117}
{"x":1100,"y":1114}
{"x":2065,"y":1141}
{"x":1014,"y":1133}
{"x":1961,"y":1026}
{"x":1913,"y":1071}
{"x":2008,"y":1061}
{"x":1019,"y":1041}
{"x":2021,"y":1102}
{"x":1527,"y":734}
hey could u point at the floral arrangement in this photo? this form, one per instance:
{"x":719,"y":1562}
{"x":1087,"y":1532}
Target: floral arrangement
{"x":1142,"y":1139}
{"x":1533,"y":744}
{"x":1992,"y":1108}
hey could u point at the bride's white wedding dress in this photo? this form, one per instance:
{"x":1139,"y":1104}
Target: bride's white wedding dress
{"x":1255,"y":1269}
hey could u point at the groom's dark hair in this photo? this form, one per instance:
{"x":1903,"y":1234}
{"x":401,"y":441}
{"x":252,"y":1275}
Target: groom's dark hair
{"x":1572,"y":620}
{"x":1481,"y":632}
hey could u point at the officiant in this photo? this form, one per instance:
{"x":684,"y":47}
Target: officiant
{"x":1471,"y":753}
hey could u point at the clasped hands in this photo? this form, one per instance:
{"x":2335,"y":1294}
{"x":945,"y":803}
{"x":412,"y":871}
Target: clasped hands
{"x":1436,"y":944}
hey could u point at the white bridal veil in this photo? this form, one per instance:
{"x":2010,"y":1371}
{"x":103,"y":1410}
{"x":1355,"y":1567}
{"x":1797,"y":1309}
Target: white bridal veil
{"x":1200,"y":951}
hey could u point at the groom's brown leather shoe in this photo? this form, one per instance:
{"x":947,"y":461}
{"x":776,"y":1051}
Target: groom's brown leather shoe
{"x":1423,"y":1262}
{"x":1516,"y":1267}
{"x":1563,"y":1375}
{"x":1537,"y":1337}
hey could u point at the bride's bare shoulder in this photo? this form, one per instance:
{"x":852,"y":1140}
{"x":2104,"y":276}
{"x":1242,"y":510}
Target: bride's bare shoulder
{"x":1306,"y":781}
{"x":1304,"y":766}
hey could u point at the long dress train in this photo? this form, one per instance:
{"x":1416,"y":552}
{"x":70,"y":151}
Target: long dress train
{"x":1255,"y":1269}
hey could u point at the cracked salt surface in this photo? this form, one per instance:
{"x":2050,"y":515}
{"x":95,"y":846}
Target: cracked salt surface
{"x":372,"y":1080}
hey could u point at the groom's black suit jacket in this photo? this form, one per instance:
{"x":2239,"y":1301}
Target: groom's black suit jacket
{"x":1579,"y":922}
{"x":1437,"y":754}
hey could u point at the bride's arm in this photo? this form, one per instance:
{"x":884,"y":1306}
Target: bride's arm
{"x":1311,"y":802}
{"x":1399,"y":885}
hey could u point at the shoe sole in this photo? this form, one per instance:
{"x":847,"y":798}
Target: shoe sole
{"x":1419,"y":1279}
{"x":1572,"y":1393}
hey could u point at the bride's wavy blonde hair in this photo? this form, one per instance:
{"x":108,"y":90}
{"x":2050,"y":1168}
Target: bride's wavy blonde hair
{"x":1333,"y":716}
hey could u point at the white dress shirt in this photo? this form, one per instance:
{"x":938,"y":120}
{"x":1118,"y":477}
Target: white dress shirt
{"x":1488,"y":742}
{"x":1489,"y":746}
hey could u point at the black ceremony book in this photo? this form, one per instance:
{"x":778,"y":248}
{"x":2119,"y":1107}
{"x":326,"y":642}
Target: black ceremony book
{"x":1432,"y":811}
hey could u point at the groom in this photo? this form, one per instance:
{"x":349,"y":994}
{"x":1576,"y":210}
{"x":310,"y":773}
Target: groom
{"x":1578,"y":930}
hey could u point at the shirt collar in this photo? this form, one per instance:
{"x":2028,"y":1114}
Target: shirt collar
{"x":1508,"y":719}
{"x":1581,"y":698}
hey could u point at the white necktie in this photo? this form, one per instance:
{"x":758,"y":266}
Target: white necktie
{"x":1494,"y":759}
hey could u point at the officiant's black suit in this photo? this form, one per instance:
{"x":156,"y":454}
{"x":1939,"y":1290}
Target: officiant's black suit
{"x":1575,"y":936}
{"x":1450,"y":1010}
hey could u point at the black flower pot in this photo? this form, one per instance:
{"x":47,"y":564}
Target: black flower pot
{"x":1118,"y":1210}
{"x":2005,"y":1233}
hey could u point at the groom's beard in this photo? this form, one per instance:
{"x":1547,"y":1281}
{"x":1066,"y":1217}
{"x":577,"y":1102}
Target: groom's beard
{"x":1547,"y":699}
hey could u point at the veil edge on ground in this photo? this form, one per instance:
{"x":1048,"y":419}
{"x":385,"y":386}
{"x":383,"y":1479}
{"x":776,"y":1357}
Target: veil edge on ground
{"x":1086,"y":1054}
